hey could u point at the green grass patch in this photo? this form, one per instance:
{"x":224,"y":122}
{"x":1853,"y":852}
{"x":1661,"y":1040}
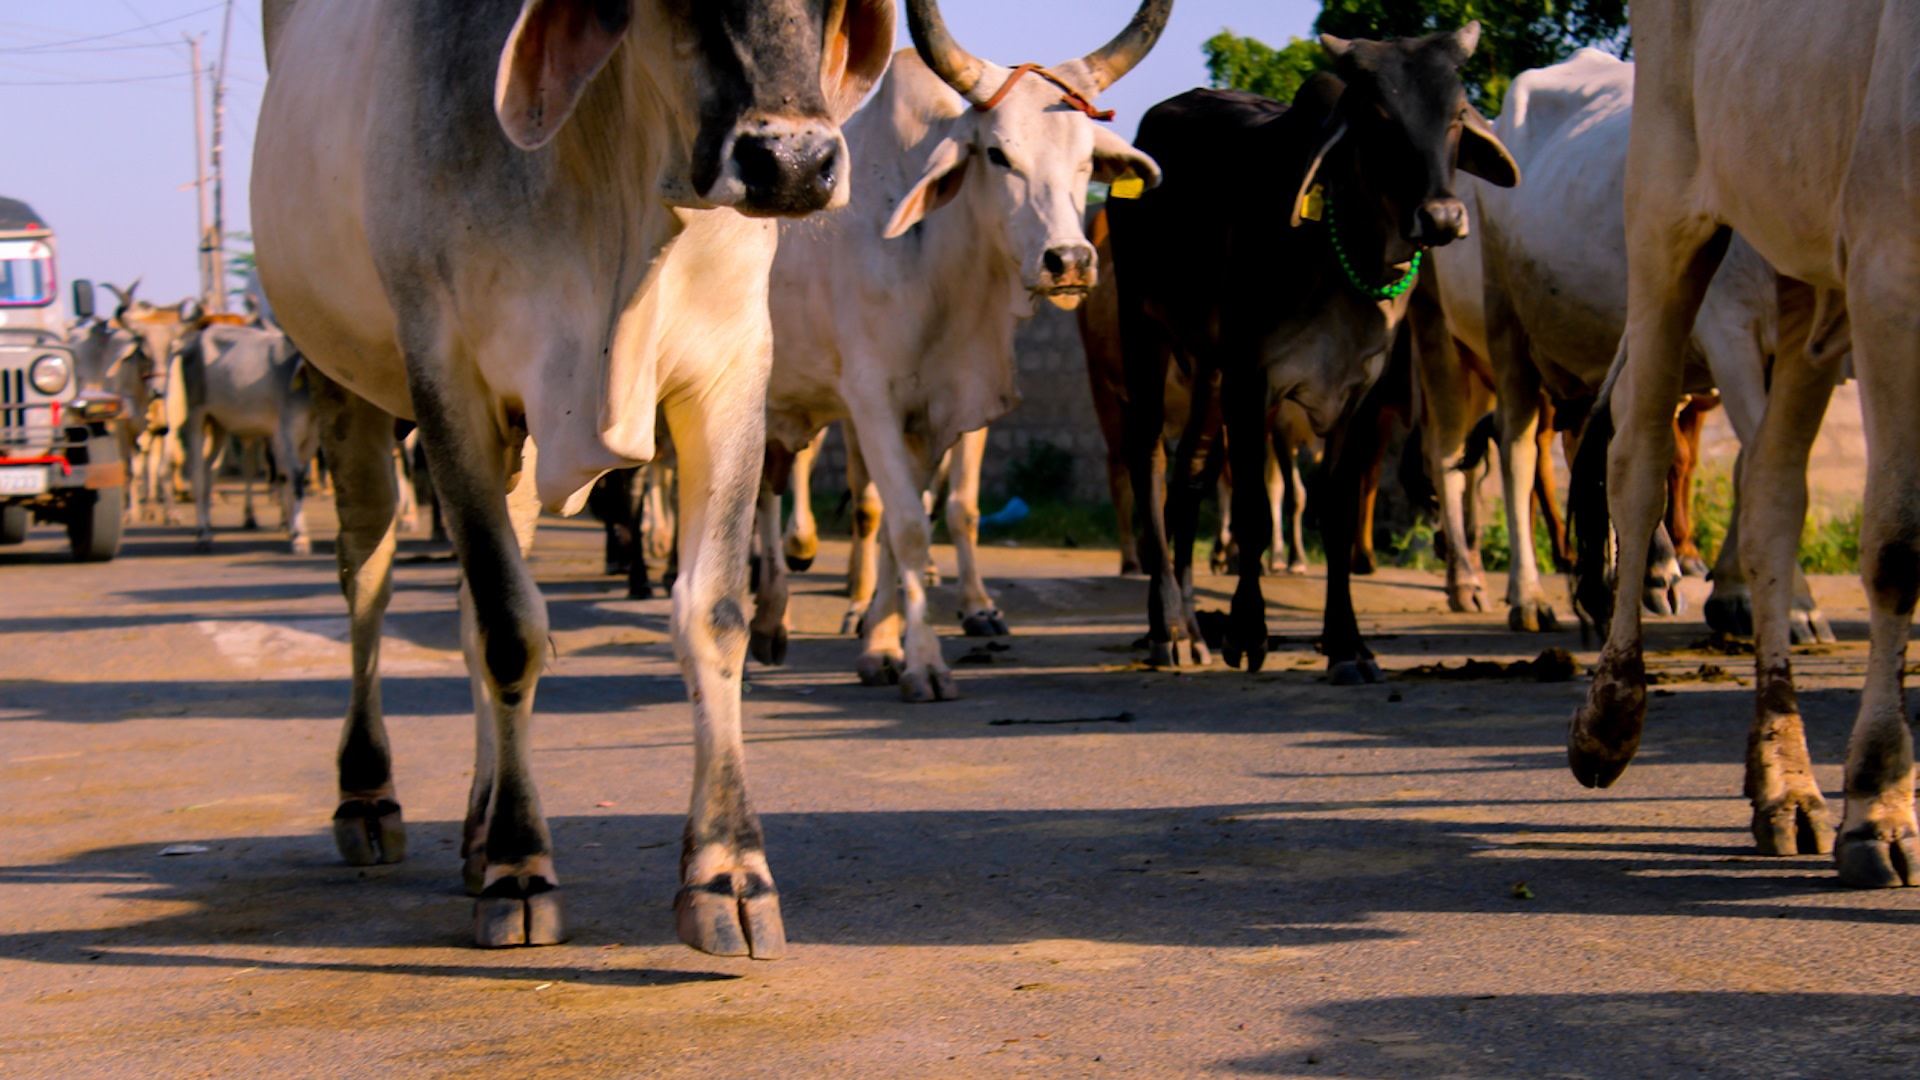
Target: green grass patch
{"x":1496,"y":545}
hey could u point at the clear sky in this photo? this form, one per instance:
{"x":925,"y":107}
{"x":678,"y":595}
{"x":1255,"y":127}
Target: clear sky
{"x":96,"y":113}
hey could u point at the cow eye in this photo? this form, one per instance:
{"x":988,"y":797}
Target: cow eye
{"x":998,"y":157}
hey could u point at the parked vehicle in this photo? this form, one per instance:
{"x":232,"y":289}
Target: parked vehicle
{"x":59,"y":460}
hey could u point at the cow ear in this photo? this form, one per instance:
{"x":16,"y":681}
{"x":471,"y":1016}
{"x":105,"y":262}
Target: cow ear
{"x":1114,"y":157}
{"x":1333,"y":132}
{"x":859,"y":47}
{"x":556,"y":48}
{"x":1482,"y":154}
{"x":936,"y":187}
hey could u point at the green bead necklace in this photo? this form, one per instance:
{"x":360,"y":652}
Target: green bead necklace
{"x":1389,"y":291}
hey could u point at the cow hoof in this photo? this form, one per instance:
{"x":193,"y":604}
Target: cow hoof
{"x":1693,"y":566}
{"x":1129,"y":567}
{"x":302,"y":545}
{"x":850,"y":623}
{"x":250,"y":524}
{"x":1868,"y":860}
{"x":512,"y":912}
{"x":1796,"y":825}
{"x":369,"y":832}
{"x":641,"y":591}
{"x":1470,"y":598}
{"x":879,"y":668}
{"x":1731,"y":614}
{"x":799,"y":564}
{"x":768,"y":647}
{"x":1663,"y":598}
{"x":714,"y":920}
{"x":1532,"y":617}
{"x":203,"y":543}
{"x":929,"y":685}
{"x":1806,"y":627}
{"x":1363,"y":563}
{"x":1354,"y":672}
{"x":987,"y":622}
{"x":1187,"y":652}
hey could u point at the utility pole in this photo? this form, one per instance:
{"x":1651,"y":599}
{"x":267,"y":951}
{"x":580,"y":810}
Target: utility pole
{"x":217,"y":257}
{"x":200,"y":165}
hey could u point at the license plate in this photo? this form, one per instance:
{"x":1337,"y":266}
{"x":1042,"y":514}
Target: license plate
{"x":23,"y":481}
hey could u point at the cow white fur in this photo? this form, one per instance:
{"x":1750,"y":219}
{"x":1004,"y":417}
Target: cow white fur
{"x":898,"y":314}
{"x":1799,"y":126}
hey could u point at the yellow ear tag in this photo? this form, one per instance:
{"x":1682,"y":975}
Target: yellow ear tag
{"x":1127,"y":187}
{"x":1313,"y":203}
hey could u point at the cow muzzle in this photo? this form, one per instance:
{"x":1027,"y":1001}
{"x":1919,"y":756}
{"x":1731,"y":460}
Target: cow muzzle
{"x":1066,"y":270}
{"x":1439,"y":221}
{"x":782,"y":167}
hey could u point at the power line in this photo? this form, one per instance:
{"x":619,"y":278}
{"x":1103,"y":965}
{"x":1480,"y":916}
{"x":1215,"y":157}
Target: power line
{"x":47,"y":45}
{"x":96,"y":82}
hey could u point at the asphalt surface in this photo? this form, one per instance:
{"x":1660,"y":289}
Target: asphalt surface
{"x":1083,"y":867}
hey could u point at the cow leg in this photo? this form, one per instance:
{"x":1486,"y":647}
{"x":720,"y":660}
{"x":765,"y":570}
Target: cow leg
{"x":1879,"y":842}
{"x":639,"y":518}
{"x":1369,"y":481}
{"x":1224,"y":556}
{"x":978,"y":615}
{"x":864,"y":554}
{"x":1789,"y":813}
{"x":1244,"y":411}
{"x":1450,"y":400}
{"x":249,"y":451}
{"x":290,"y":447}
{"x":801,"y":543}
{"x":727,"y":904}
{"x":200,"y":475}
{"x":1730,"y":606}
{"x":367,"y":826}
{"x":1519,"y":415}
{"x":942,"y":472}
{"x":901,"y":469}
{"x":1546,"y":489}
{"x":1196,"y":465}
{"x":1687,"y":426}
{"x":1350,"y":453}
{"x":1294,"y":505}
{"x":1119,"y":481}
{"x":1670,"y":260}
{"x":767,"y":634}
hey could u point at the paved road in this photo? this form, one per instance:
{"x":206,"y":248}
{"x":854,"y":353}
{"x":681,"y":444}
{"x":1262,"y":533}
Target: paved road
{"x":1082,"y":868}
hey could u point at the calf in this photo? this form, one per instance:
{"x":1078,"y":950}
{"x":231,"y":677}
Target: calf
{"x":248,"y":382}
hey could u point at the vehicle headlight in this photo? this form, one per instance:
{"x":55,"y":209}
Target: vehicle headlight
{"x":50,"y":374}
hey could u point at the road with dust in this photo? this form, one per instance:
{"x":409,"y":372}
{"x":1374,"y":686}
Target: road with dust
{"x":1083,"y":867}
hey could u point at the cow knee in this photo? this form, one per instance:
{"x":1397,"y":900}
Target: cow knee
{"x":1894,"y":572}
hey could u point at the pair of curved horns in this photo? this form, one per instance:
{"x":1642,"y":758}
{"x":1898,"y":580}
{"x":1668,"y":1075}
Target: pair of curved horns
{"x":962,"y":70}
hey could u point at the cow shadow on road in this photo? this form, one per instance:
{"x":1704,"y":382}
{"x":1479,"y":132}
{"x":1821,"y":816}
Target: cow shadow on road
{"x":1280,"y":874}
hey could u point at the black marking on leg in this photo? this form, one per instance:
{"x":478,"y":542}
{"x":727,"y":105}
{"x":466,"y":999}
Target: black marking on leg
{"x":1873,"y":770}
{"x":365,"y":808}
{"x":514,"y":888}
{"x":1776,"y":696}
{"x":1897,"y":572}
{"x":364,"y":764}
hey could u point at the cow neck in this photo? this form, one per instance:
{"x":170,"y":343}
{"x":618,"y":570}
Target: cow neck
{"x":1364,"y":244}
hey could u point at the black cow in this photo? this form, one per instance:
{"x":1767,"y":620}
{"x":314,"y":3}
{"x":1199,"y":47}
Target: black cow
{"x":1298,"y":297}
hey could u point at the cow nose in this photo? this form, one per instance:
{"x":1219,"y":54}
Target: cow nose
{"x":787,"y":172}
{"x":1439,"y":221}
{"x":1068,"y":264}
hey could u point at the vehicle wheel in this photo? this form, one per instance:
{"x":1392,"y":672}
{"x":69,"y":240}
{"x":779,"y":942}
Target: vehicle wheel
{"x":93,"y":525}
{"x":14,"y":520}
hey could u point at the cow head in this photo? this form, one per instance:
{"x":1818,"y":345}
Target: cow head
{"x":1027,"y":148}
{"x":157,"y":333}
{"x":755,"y":90}
{"x":1405,"y":120}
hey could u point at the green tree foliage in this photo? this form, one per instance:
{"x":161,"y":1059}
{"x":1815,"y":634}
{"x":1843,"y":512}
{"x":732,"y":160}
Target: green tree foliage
{"x":1515,"y":35}
{"x":1243,"y":63}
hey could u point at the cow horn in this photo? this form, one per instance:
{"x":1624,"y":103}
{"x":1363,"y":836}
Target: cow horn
{"x":956,"y":66}
{"x":1117,"y":57}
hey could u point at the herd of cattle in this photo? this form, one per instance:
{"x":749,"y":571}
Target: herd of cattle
{"x":546,"y":233}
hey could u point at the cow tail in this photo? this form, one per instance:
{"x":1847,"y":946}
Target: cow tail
{"x":1479,"y":441}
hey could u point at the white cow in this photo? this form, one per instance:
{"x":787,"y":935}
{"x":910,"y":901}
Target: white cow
{"x":1799,"y":126}
{"x":514,"y":222}
{"x":1539,"y":292}
{"x":899,"y":313}
{"x":248,"y":382}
